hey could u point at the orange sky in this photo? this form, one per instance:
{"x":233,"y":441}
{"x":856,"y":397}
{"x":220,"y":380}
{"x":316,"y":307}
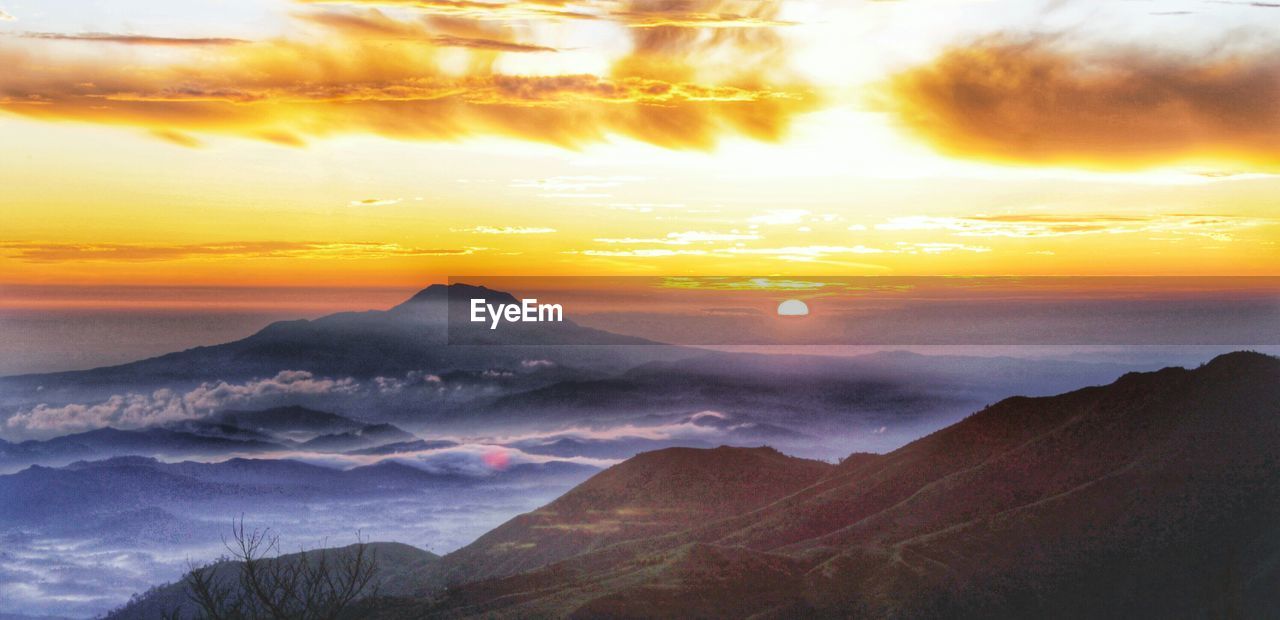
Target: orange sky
{"x":362,"y":143}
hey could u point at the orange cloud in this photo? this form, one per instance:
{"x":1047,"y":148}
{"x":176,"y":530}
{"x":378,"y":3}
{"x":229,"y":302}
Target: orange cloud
{"x":634,"y":13}
{"x":1038,"y":100}
{"x":516,"y":10}
{"x":374,"y":24}
{"x":131,"y":39}
{"x":34,"y":251}
{"x":678,"y":19}
{"x":368,"y":73}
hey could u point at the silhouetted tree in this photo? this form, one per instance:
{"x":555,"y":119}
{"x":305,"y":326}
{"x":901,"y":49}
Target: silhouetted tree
{"x":263,"y":584}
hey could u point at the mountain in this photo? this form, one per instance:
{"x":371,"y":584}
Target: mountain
{"x":42,"y":495}
{"x":286,"y":420}
{"x":653,"y":493}
{"x":1157,"y":496}
{"x":392,"y":561}
{"x":413,"y":335}
{"x":110,"y":442}
{"x":367,"y":355}
{"x":369,"y":436}
{"x":223,"y":434}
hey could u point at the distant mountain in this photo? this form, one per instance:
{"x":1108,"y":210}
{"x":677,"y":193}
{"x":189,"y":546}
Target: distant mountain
{"x":110,"y":442}
{"x":286,"y":420}
{"x":413,"y":339}
{"x":42,"y":494}
{"x":223,"y":434}
{"x":1155,"y":496}
{"x":412,"y":336}
{"x":393,"y":562}
{"x":369,"y":436}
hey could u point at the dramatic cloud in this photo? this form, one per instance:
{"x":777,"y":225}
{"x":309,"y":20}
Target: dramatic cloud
{"x":365,"y":72}
{"x":32,"y":251}
{"x":1042,"y":100}
{"x":133,"y":410}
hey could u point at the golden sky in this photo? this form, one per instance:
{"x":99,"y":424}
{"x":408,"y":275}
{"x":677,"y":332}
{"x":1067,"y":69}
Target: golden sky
{"x":388,"y":143}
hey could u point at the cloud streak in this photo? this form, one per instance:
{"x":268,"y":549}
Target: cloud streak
{"x":1044,"y":100}
{"x":41,"y":252}
{"x":695,"y":14}
{"x":510,"y":230}
{"x":374,"y":24}
{"x":132,"y":39}
{"x":1031,"y":226}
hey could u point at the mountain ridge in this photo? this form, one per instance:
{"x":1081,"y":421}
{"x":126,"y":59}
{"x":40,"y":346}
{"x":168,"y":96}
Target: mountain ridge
{"x":1138,"y":496}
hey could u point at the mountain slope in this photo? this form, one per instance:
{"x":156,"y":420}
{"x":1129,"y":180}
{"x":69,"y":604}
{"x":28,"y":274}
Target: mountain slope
{"x":393,"y":560}
{"x":1157,"y":495}
{"x":653,"y":493}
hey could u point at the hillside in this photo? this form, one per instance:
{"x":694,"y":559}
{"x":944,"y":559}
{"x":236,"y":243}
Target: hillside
{"x":393,"y":560}
{"x":1157,"y":495}
{"x":651,"y":494}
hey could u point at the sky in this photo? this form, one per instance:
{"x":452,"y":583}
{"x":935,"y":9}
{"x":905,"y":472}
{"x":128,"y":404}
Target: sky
{"x":385,"y":144}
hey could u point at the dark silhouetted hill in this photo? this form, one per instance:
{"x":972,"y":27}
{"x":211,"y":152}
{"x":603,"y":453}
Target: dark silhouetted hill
{"x":1155,"y":496}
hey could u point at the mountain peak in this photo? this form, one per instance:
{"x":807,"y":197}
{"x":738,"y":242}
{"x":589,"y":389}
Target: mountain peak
{"x":1242,"y":360}
{"x":455,"y":293}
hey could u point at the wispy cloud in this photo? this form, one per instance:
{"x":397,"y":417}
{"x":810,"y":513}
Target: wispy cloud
{"x":682,"y":238}
{"x":1216,"y":227}
{"x":375,"y":24}
{"x":132,"y":39}
{"x":639,"y":253}
{"x":791,"y":253}
{"x":6,"y":17}
{"x":938,"y":248}
{"x":509,"y":230}
{"x":137,"y":410}
{"x":34,"y":251}
{"x":376,"y":202}
{"x":779,"y":217}
{"x":688,"y":14}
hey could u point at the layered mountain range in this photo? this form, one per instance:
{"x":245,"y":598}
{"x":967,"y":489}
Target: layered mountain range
{"x":1157,"y":496}
{"x":406,"y":366}
{"x":224,"y":434}
{"x":437,"y":442}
